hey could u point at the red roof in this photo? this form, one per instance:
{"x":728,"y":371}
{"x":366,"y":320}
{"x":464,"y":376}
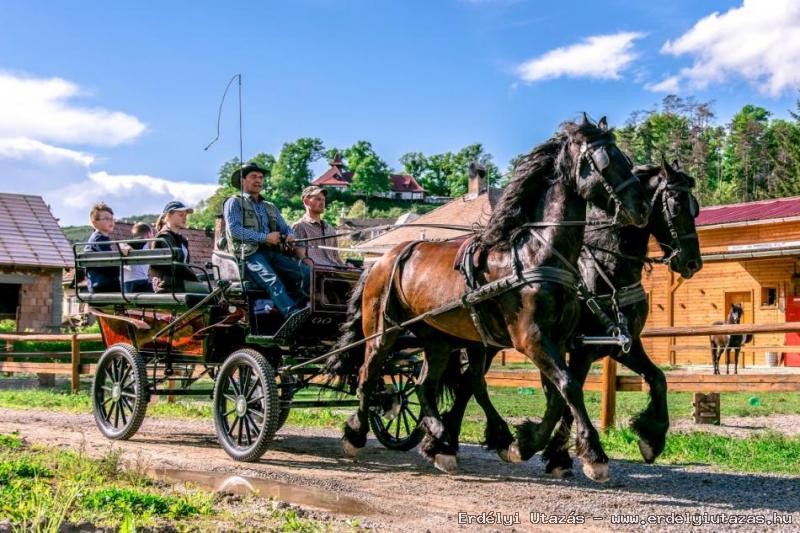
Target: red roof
{"x":749,"y":211}
{"x":30,"y":235}
{"x":334,"y":177}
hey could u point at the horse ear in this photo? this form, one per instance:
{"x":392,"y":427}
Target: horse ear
{"x":585,"y":119}
{"x":676,"y":164}
{"x":603,"y":124}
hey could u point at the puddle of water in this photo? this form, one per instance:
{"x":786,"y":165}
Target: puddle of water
{"x":303,"y":496}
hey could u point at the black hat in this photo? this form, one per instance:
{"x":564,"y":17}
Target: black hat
{"x":236,"y":177}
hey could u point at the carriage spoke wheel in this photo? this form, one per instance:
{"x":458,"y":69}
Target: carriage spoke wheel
{"x":394,"y":415}
{"x":119,"y":392}
{"x":246,"y":406}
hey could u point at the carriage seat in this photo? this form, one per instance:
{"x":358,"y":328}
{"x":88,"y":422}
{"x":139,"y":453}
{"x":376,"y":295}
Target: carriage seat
{"x":194,"y":290}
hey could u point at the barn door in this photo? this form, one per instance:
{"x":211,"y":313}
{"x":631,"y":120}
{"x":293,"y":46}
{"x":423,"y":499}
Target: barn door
{"x":745,"y":299}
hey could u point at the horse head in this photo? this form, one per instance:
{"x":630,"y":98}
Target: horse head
{"x":673,"y":220}
{"x":603,"y":173}
{"x":735,"y":315}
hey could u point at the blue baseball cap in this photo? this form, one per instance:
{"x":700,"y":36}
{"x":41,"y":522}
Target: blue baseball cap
{"x":175,"y":205}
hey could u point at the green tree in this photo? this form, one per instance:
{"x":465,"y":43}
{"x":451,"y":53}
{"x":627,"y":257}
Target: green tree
{"x":370,"y":172}
{"x":291,"y":172}
{"x":746,"y":161}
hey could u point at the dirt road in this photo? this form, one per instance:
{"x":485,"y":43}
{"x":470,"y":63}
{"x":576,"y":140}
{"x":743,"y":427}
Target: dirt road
{"x":401,"y":492}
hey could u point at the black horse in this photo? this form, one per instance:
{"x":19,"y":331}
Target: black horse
{"x":612,"y":259}
{"x":529,"y":250}
{"x":726,"y":343}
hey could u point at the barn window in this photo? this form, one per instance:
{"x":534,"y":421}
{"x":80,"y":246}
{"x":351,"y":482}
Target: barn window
{"x":769,"y":296}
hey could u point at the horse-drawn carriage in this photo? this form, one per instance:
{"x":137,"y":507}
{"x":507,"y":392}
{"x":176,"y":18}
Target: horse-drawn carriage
{"x":224,"y":329}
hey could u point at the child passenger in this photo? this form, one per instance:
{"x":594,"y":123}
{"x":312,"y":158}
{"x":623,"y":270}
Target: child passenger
{"x":101,"y":279}
{"x":135,"y":276}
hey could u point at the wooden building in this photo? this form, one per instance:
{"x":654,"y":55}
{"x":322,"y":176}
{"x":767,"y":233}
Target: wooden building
{"x":33,"y":253}
{"x":751,"y":256}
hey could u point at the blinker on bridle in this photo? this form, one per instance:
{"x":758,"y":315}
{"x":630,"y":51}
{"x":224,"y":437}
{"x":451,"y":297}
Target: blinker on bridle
{"x":598,"y":160}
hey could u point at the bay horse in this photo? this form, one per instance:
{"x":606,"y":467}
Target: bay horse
{"x":726,"y":343}
{"x":612,"y":260}
{"x":534,"y":236}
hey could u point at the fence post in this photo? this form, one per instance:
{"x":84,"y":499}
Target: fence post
{"x":76,"y":363}
{"x":608,"y":399}
{"x":10,"y":358}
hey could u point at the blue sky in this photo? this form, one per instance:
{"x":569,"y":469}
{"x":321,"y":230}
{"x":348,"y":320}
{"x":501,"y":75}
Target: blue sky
{"x":115,"y":101}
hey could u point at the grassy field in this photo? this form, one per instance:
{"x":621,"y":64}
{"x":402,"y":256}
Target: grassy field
{"x":43,"y":488}
{"x":761,"y":453}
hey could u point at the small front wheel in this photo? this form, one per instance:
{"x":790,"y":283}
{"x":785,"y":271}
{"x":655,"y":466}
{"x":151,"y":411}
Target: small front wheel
{"x":119,"y":392}
{"x":395,"y":411}
{"x":246,"y":406}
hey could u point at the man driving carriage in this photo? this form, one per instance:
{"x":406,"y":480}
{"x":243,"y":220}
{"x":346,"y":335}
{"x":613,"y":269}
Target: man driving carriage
{"x":256,"y":230}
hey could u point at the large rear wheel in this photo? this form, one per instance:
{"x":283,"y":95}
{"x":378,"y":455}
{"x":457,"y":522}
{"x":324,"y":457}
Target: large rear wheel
{"x":119,"y":392}
{"x":394,"y":415}
{"x":246,"y":407}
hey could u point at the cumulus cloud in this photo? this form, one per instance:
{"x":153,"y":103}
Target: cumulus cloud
{"x":758,"y":41}
{"x":670,"y":84}
{"x":22,"y":148}
{"x":44,"y":109}
{"x":126,"y":194}
{"x":599,"y":56}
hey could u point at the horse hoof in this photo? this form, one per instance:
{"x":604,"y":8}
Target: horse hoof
{"x":596,"y":472}
{"x":503,"y":454}
{"x":348,"y":449}
{"x":647,"y":452}
{"x":446,"y":463}
{"x":561,"y":473}
{"x":513,"y":454}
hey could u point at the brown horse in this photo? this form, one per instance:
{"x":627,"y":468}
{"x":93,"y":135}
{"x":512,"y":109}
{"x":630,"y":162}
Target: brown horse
{"x":726,"y":343}
{"x":618,"y":255}
{"x":531,"y":244}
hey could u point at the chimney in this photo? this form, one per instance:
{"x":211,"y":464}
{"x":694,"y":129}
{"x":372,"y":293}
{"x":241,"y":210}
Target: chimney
{"x":477,"y":179}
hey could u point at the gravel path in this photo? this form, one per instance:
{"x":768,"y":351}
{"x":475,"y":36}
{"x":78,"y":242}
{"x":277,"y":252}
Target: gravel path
{"x":401,"y":492}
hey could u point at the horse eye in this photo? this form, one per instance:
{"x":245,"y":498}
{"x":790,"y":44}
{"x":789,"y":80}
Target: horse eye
{"x":600,"y":159}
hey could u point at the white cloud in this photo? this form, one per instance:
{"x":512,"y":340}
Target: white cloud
{"x":667,"y":85}
{"x":44,"y":109}
{"x":22,"y":148}
{"x":599,"y":56}
{"x":126,"y":194}
{"x":758,"y":41}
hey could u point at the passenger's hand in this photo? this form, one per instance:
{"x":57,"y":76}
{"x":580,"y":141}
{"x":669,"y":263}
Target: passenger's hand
{"x":274,"y":238}
{"x":158,"y":284}
{"x":124,"y":248}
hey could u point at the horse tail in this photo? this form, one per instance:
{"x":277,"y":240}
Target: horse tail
{"x":450,"y":379}
{"x":340,"y":366}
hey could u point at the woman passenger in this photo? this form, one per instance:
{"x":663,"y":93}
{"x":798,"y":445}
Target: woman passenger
{"x":171,"y":221}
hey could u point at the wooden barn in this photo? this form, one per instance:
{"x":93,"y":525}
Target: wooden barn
{"x":751,"y":256}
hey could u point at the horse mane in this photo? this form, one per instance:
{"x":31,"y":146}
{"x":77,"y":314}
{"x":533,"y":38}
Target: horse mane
{"x":534,"y":173}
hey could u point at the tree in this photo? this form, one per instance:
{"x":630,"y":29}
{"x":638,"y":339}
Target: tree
{"x":291,"y":172}
{"x":446,"y":174}
{"x":745,"y":163}
{"x":370,"y":172}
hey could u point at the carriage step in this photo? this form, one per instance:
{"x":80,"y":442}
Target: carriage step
{"x":292,"y":324}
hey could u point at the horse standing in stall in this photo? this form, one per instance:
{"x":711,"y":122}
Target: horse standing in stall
{"x":726,"y":343}
{"x":611,"y":265}
{"x":529,"y":251}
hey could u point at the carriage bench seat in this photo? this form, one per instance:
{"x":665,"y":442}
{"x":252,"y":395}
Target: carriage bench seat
{"x":148,"y":299}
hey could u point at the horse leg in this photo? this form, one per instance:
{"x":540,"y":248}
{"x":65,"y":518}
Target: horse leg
{"x":497,"y":435}
{"x":558,"y":462}
{"x":715,"y":358}
{"x":437,"y":446}
{"x":549,"y":359}
{"x":357,"y":426}
{"x":736,"y":359}
{"x":652,"y":423}
{"x":727,"y":359}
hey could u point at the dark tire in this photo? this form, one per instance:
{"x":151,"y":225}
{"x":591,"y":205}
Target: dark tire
{"x":246,"y":405}
{"x":395,"y":413}
{"x":119,"y":392}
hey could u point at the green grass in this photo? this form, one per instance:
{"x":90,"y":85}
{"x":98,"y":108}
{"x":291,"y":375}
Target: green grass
{"x":42,"y":488}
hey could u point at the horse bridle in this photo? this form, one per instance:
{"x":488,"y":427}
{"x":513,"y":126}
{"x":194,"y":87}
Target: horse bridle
{"x":675,"y":245}
{"x":590,"y":154}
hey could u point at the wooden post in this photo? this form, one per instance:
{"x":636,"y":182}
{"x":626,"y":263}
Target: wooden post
{"x":608,"y":401}
{"x":76,"y":363}
{"x":10,"y":358}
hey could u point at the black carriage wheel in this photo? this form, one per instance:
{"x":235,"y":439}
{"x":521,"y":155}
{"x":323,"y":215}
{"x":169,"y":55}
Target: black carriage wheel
{"x":395,"y":415}
{"x":119,"y":392}
{"x":245,"y":405}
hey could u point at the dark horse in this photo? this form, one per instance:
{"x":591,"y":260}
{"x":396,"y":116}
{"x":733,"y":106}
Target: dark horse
{"x":534,"y":236}
{"x":726,"y":343}
{"x":613,"y":258}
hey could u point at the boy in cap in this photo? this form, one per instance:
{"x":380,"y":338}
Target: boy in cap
{"x":256,"y":230}
{"x":311,"y":226}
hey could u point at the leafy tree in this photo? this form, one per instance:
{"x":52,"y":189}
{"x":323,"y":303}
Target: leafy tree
{"x":446,"y":174}
{"x":291,"y":172}
{"x":358,"y":210}
{"x":370,"y":172}
{"x":745,"y":162}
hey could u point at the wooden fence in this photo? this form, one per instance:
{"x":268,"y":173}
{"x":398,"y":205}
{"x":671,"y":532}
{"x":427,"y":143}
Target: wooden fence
{"x":608,"y":382}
